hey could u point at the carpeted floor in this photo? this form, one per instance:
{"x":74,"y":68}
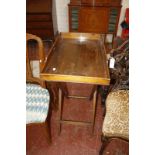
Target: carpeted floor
{"x":73,"y":140}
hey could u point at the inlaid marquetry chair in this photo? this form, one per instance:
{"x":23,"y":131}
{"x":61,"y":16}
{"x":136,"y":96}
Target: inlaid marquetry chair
{"x":116,"y":120}
{"x":37,"y":96}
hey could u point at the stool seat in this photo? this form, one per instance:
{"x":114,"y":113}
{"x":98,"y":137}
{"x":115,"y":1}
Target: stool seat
{"x":37,"y":103}
{"x":116,"y":121}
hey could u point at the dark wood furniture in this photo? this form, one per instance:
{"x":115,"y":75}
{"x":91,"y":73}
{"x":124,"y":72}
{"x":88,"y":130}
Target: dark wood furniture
{"x":41,"y":57}
{"x":31,"y":79}
{"x":39,"y":18}
{"x":98,"y":16}
{"x":29,"y":76}
{"x":77,"y":58}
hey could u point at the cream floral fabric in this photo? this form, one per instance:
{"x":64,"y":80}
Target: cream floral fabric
{"x":116,"y":121}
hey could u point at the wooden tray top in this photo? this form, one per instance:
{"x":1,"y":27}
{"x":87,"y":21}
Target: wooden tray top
{"x":79,"y":58}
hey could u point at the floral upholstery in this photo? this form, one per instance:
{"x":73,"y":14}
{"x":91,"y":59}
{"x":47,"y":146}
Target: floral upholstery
{"x":35,"y":68}
{"x":116,"y":121}
{"x":37,"y":103}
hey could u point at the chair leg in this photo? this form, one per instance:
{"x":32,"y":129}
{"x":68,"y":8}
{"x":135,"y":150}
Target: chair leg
{"x":105,"y":142}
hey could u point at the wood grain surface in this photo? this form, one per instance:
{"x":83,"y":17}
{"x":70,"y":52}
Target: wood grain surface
{"x":76,"y":58}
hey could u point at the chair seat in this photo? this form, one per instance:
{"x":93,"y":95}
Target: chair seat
{"x":37,"y":103}
{"x":116,"y":121}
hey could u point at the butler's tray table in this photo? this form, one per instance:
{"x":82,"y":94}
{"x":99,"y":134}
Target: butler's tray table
{"x":77,"y":58}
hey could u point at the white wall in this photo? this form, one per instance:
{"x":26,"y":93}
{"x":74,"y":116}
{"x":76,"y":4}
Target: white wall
{"x":125,"y":4}
{"x":54,"y":17}
{"x":62,"y":15}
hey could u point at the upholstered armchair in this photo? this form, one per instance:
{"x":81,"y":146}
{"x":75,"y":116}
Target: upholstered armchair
{"x":116,"y":120}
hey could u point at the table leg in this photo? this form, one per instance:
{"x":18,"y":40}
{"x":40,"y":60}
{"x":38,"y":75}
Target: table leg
{"x":63,"y":87}
{"x":94,"y":109}
{"x":60,"y":110}
{"x":92,"y":92}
